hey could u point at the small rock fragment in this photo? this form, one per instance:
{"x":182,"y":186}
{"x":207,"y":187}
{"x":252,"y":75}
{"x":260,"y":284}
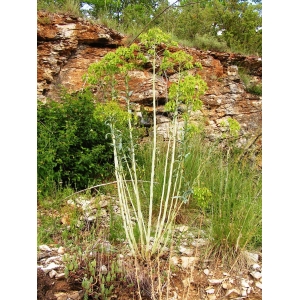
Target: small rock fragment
{"x":215,"y":281}
{"x":244,"y":283}
{"x":199,"y":242}
{"x":103,"y":270}
{"x":226,"y":285}
{"x":255,"y":266}
{"x":188,"y":262}
{"x":259,"y":285}
{"x":52,"y":273}
{"x":251,"y":256}
{"x":209,"y":290}
{"x":206,"y":272}
{"x":44,"y":248}
{"x":186,"y":251}
{"x":61,"y":250}
{"x":256,"y":275}
{"x":183,"y":228}
{"x":244,"y":293}
{"x":53,"y":258}
{"x":233,"y":293}
{"x":60,"y":275}
{"x":50,"y":267}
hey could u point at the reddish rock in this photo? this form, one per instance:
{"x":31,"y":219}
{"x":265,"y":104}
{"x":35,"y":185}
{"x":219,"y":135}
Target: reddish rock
{"x":67,"y":45}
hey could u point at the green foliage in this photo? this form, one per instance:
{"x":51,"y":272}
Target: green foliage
{"x":71,"y":7}
{"x":97,"y":283}
{"x":72,"y":144}
{"x":116,"y":229}
{"x":154,"y":37}
{"x":202,"y":196}
{"x":230,"y":195}
{"x":209,"y":42}
{"x":236,"y":210}
{"x":232,"y":127}
{"x":255,"y":89}
{"x":251,"y":87}
{"x":44,"y":20}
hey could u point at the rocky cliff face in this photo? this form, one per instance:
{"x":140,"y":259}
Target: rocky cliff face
{"x":67,"y":45}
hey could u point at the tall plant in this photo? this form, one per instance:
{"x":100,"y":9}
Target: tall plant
{"x":152,"y":235}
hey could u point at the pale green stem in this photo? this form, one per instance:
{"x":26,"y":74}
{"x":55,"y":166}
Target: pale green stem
{"x":120,"y":188}
{"x":153,"y":155}
{"x":163,"y":187}
{"x":161,"y":222}
{"x":140,"y":218}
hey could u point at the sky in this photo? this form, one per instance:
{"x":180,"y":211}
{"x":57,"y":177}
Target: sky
{"x":281,"y":159}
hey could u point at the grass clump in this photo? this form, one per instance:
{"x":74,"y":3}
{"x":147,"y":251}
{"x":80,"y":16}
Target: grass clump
{"x":251,"y":87}
{"x":71,"y":7}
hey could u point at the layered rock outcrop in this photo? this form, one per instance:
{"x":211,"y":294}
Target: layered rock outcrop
{"x":67,"y":45}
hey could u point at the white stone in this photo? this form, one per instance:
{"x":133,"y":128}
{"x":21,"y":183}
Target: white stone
{"x":174,"y":260}
{"x":210,"y":291}
{"x":44,"y":248}
{"x":104,"y":204}
{"x":206,"y":272}
{"x":59,"y":275}
{"x":215,"y":281}
{"x":71,"y":202}
{"x":232,"y":291}
{"x":256,"y":275}
{"x":259,"y":285}
{"x":251,"y":256}
{"x":91,"y":218}
{"x":199,"y":242}
{"x":50,"y":267}
{"x":61,"y":250}
{"x":52,"y":273}
{"x":186,"y":251}
{"x":226,"y":285}
{"x":188,"y":262}
{"x":53,"y":258}
{"x":103,"y":270}
{"x":183,"y":228}
{"x":255,"y":266}
{"x":244,"y":283}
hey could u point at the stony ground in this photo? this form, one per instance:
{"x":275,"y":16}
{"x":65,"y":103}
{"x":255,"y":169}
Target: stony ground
{"x":185,"y":283}
{"x":191,"y":275}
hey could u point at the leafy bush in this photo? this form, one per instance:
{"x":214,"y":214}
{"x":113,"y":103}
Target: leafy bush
{"x":207,"y":42}
{"x":72,"y":144}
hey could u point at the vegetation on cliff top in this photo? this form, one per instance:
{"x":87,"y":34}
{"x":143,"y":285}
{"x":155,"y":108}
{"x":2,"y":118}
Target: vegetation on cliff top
{"x":229,"y":26}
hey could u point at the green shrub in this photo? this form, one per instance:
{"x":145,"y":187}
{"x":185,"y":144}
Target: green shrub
{"x":72,"y":145}
{"x":207,"y":42}
{"x":251,"y":87}
{"x":255,"y":89}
